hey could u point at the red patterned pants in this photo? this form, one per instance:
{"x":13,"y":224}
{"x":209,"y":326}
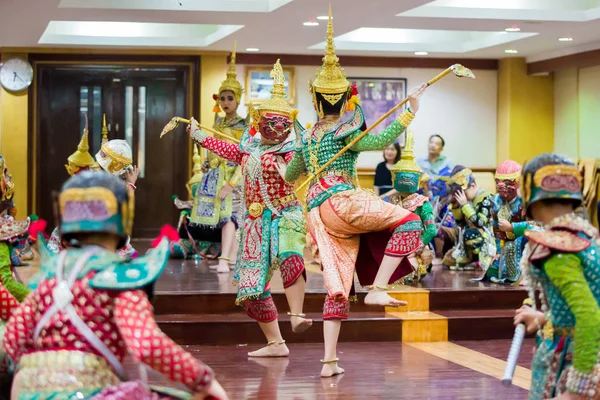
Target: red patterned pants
{"x":264,"y":310}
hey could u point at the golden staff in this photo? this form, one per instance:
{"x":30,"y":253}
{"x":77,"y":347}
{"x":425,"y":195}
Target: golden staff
{"x":175,"y":121}
{"x":457,"y":69}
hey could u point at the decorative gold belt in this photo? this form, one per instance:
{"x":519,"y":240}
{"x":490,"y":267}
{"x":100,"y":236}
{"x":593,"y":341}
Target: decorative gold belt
{"x":256,"y":209}
{"x":61,"y":359}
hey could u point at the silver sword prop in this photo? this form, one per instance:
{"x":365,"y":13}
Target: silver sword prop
{"x":515,"y":349}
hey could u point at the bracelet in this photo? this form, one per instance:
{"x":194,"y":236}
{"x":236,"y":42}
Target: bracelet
{"x":581,"y":383}
{"x":406,"y":118}
{"x":131,"y":185}
{"x":199,"y":136}
{"x":231,"y":184}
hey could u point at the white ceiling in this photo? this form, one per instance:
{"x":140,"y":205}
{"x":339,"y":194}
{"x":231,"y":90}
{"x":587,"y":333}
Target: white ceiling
{"x":444,"y":28}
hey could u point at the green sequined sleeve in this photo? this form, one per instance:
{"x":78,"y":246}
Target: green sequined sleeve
{"x":295,"y":167}
{"x":566,"y":273}
{"x":377,"y":141}
{"x":428,"y":219}
{"x":15,"y":288}
{"x":519,"y":228}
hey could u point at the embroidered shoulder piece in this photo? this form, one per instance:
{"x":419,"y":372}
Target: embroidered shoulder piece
{"x":135,"y":274}
{"x":98,"y":262}
{"x":298,"y":128}
{"x":573,"y":223}
{"x":351,"y":126}
{"x":11,"y":229}
{"x":414,"y":201}
{"x":246,"y":140}
{"x":556,"y":240}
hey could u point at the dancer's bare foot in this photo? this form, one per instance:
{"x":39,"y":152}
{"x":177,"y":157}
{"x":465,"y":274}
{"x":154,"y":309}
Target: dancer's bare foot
{"x":331,"y":369}
{"x":223,"y":267}
{"x":377,"y":297}
{"x":299,"y":324}
{"x":271,"y":350}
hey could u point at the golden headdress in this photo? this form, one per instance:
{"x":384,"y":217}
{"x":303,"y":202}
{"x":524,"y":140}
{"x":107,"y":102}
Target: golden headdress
{"x":277,"y":103}
{"x":407,"y":161}
{"x":81,"y":158}
{"x":104,"y":129}
{"x":231,"y":82}
{"x":330,"y":79}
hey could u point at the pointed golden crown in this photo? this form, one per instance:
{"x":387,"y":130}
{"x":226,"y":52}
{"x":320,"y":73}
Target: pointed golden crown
{"x":81,"y":157}
{"x":104,"y":129}
{"x":231,"y":82}
{"x":407,"y":161}
{"x":330,"y":77}
{"x":277,"y":103}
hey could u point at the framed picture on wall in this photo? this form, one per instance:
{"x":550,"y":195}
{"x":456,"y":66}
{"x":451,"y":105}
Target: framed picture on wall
{"x":259,"y":84}
{"x":378,"y":96}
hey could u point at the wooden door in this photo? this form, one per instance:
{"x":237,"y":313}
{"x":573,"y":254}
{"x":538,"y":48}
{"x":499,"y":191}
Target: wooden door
{"x":137,"y":103}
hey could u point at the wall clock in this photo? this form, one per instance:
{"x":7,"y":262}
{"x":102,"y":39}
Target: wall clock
{"x":16,"y":74}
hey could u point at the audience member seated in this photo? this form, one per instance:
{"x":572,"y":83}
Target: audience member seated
{"x":383,"y":175}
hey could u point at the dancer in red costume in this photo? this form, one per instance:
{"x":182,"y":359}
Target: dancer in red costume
{"x":89,"y":307}
{"x":273,"y":233}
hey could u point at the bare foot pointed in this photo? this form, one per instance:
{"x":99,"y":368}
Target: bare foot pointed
{"x":299,"y":324}
{"x":381,"y":298}
{"x":271,"y":350}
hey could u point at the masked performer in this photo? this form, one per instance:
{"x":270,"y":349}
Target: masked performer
{"x":562,"y":264}
{"x":338,"y":212}
{"x":509,"y":225}
{"x":472,"y":209}
{"x":115,"y":157}
{"x":406,"y":180}
{"x":89,"y":308}
{"x":273,"y":234}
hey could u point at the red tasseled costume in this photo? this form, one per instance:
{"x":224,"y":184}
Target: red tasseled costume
{"x":166,"y":231}
{"x":37,"y":228}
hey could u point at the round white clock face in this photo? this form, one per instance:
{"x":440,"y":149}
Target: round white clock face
{"x":16,"y":74}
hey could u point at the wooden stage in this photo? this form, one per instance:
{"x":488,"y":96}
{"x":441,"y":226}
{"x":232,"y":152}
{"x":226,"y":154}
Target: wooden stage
{"x":450,"y":342}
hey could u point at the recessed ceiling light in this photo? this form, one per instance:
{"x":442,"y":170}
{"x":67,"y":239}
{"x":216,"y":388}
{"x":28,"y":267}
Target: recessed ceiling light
{"x":565,"y":39}
{"x":324,"y":17}
{"x":513,"y":29}
{"x":311,"y":23}
{"x":511,"y":51}
{"x":252,"y":49}
{"x":421,"y":53}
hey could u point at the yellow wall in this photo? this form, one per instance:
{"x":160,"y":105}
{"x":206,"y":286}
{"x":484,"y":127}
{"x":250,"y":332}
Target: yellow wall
{"x":525,"y":125}
{"x":13,"y":138}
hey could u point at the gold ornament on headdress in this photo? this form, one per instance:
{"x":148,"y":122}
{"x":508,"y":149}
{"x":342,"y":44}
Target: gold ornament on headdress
{"x":330,"y":77}
{"x":407,"y":161}
{"x":104,"y":129}
{"x":231,"y":83}
{"x":81,"y":158}
{"x":196,"y":170}
{"x":461,"y":178}
{"x":277,"y":103}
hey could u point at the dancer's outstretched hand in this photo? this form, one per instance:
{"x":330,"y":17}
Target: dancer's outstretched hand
{"x":225,"y":191}
{"x":415,"y":95}
{"x":193,"y":127}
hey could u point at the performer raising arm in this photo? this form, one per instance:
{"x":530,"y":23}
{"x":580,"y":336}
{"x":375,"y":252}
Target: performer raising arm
{"x":273,"y":233}
{"x":337,"y":212}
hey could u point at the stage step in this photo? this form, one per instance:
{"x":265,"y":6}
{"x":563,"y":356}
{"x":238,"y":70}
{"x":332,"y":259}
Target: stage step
{"x":224,"y":303}
{"x":374,"y":326}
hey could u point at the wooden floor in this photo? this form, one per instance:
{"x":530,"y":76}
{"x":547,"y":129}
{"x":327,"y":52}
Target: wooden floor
{"x":378,"y":349}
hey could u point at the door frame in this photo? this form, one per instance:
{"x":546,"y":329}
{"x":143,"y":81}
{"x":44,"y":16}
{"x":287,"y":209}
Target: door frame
{"x":37,"y":60}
